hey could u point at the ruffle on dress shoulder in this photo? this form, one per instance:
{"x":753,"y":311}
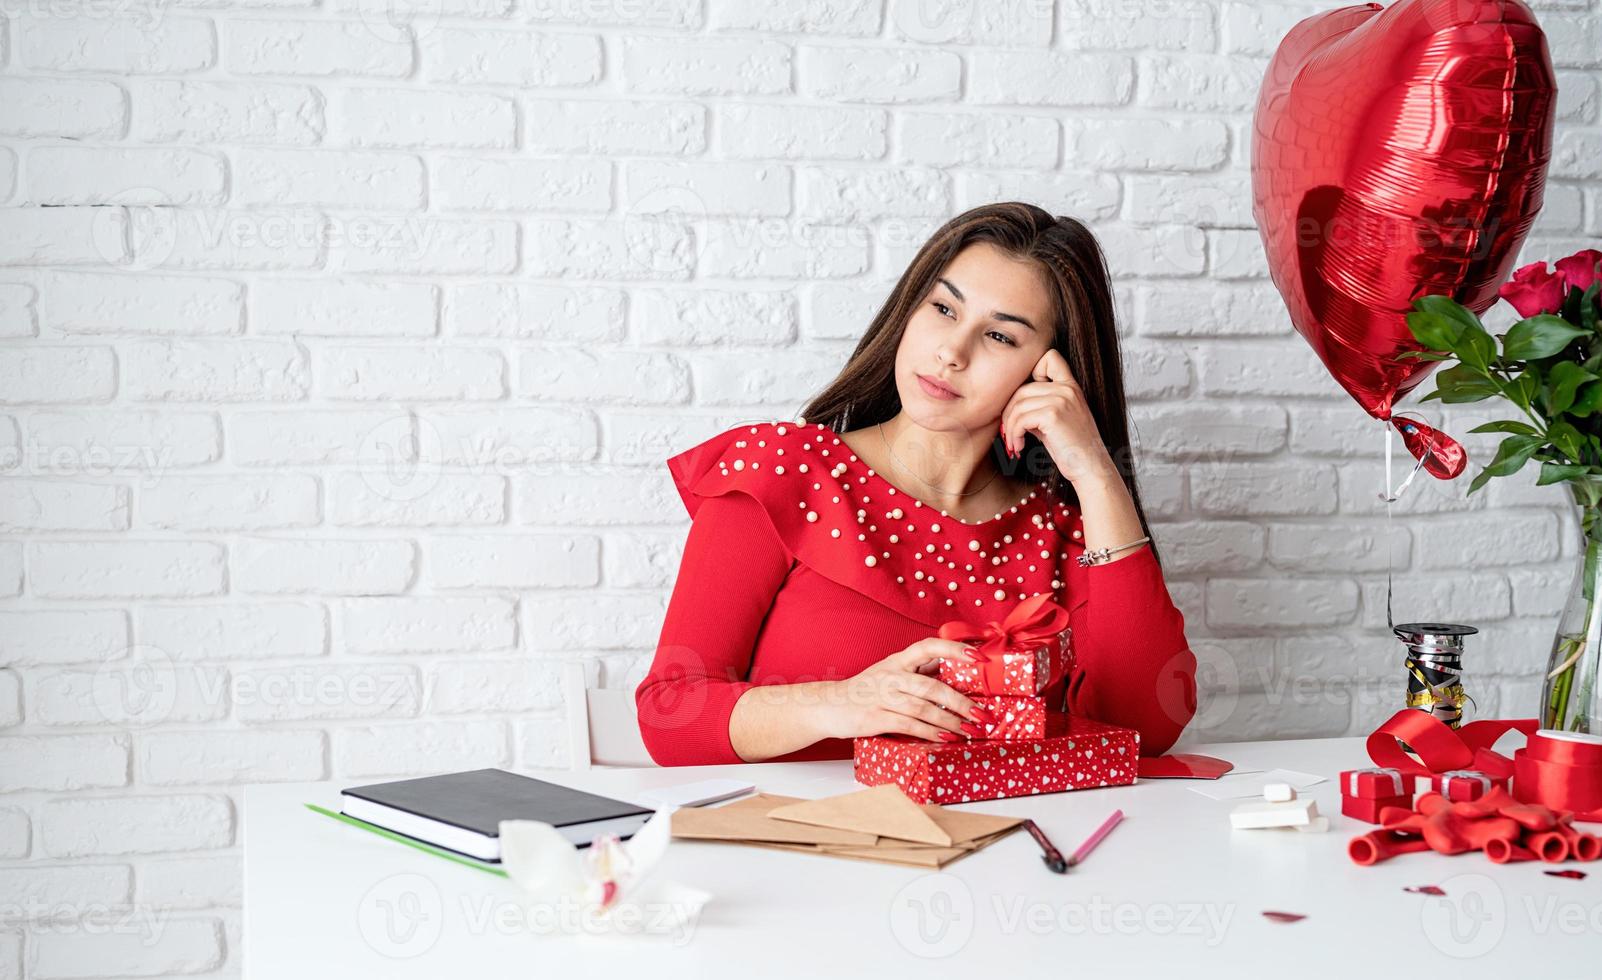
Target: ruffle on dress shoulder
{"x":840,"y":518}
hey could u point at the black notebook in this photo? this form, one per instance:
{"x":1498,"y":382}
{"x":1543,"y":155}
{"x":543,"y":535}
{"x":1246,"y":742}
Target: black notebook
{"x":462,"y":811}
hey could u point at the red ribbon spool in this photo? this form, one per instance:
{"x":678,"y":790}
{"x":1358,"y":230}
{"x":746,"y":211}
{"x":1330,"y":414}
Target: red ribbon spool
{"x":1561,"y":770}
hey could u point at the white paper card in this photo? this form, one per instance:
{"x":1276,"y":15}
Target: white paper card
{"x":694,"y":794}
{"x":1239,"y":786}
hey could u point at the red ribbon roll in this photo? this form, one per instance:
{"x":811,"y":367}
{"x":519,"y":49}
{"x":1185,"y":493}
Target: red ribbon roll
{"x":1561,"y":770}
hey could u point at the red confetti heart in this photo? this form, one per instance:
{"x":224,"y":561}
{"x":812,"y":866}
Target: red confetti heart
{"x":1284,"y":916}
{"x":1425,"y":890}
{"x":1567,"y":873}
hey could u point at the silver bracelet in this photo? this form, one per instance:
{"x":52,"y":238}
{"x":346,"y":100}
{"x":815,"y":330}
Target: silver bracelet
{"x":1096,"y":556}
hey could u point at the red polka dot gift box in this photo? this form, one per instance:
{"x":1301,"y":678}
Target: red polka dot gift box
{"x":1076,"y":753}
{"x":1012,"y":718}
{"x":1021,"y":654}
{"x":1019,"y":673}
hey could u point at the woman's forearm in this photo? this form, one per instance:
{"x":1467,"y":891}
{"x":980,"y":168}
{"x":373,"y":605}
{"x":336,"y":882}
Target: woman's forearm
{"x":1109,"y":515}
{"x":774,"y":719}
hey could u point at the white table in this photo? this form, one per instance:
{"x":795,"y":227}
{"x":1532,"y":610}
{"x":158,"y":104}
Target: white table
{"x":1172,"y":888}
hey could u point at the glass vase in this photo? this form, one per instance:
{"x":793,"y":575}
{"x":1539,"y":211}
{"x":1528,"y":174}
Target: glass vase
{"x":1570,"y":698}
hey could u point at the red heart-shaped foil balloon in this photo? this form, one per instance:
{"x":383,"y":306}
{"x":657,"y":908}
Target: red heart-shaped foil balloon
{"x":1398,"y":152}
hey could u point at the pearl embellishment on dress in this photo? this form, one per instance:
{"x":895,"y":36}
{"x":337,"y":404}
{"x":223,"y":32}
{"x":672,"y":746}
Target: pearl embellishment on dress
{"x":1047,"y":524}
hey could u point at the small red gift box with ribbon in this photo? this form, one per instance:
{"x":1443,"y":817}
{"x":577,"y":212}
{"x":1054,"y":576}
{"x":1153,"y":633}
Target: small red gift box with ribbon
{"x":1015,"y":718}
{"x":1459,"y":785}
{"x":1022,"y":654}
{"x":1076,"y":753}
{"x":1365,"y":792}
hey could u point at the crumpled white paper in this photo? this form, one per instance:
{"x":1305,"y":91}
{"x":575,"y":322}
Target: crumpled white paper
{"x":611,"y":880}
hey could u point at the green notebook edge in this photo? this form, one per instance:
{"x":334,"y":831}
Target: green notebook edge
{"x":409,"y":842}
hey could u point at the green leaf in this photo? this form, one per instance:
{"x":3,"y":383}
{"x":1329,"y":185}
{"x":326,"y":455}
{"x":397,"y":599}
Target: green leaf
{"x":1424,"y":355}
{"x":1564,"y":379}
{"x":1480,"y":479}
{"x":1434,"y":331}
{"x":1522,"y":390}
{"x":1539,"y":336}
{"x":1567,"y":439}
{"x":1588,"y":315}
{"x":1475,"y":347}
{"x":1512,"y":454}
{"x":1449,"y":308}
{"x":1510,"y":426}
{"x":1463,"y":383}
{"x":1558,"y":472}
{"x":1443,"y":324}
{"x":1587,"y":400}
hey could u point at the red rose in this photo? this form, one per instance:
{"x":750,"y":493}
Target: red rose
{"x":1579,"y":269}
{"x":1535,"y":289}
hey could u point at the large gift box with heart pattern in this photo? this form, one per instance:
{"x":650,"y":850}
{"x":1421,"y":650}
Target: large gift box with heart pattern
{"x":1076,"y":753}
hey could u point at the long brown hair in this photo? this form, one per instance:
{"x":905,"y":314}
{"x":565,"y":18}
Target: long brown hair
{"x":864,"y":393}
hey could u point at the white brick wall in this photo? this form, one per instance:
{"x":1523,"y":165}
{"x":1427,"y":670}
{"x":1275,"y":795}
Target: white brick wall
{"x":339,"y":361}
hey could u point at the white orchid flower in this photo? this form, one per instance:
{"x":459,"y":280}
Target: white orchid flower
{"x":609,"y":875}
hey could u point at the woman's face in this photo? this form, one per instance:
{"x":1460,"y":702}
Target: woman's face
{"x":980,"y":331}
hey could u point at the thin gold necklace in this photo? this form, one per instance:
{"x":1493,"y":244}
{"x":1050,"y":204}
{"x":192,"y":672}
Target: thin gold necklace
{"x":920,"y":479}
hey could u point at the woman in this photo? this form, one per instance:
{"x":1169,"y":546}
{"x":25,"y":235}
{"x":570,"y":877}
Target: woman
{"x":974,"y":446}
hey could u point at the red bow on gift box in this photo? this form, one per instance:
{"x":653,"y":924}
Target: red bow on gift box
{"x":1032,"y":623}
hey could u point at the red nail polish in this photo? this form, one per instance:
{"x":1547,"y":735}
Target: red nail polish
{"x":983,"y":714}
{"x":949,"y":736}
{"x":972,"y":729}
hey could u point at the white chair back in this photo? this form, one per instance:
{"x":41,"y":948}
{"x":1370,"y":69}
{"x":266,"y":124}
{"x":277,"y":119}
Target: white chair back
{"x":603,"y":726}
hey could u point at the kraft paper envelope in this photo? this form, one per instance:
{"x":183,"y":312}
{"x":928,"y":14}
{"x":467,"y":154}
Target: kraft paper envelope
{"x":746,"y":824}
{"x":890,"y":852}
{"x":883,"y":810}
{"x":752,"y":821}
{"x":918,"y":857}
{"x":962,"y":826}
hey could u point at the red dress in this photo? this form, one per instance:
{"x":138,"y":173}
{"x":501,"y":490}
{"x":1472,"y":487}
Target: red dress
{"x":804,"y":564}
